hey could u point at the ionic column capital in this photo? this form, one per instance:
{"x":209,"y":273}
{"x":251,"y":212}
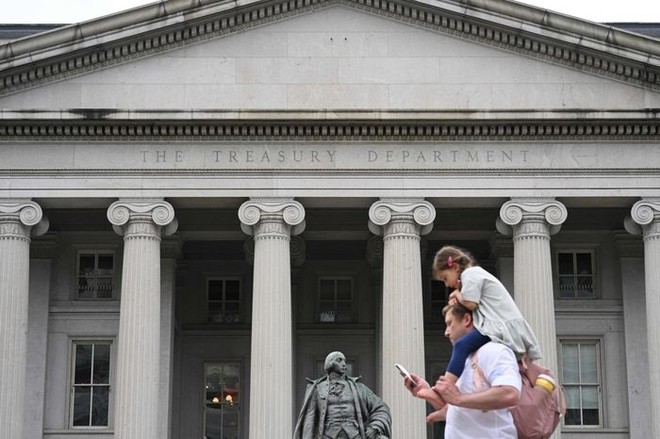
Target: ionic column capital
{"x":395,"y":216}
{"x":272,"y":217}
{"x":142,"y":217}
{"x":644,"y":218}
{"x":531,"y":217}
{"x":21,"y":218}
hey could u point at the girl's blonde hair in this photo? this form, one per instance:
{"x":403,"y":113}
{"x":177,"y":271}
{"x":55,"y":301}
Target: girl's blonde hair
{"x":450,"y":255}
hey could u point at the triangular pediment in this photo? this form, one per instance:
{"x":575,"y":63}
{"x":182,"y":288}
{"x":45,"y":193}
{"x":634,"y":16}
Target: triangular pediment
{"x":334,"y":54}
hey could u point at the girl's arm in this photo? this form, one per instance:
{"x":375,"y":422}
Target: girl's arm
{"x":456,"y":296}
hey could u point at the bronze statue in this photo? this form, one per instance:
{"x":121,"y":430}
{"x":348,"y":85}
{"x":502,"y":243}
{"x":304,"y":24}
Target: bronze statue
{"x":337,"y":406}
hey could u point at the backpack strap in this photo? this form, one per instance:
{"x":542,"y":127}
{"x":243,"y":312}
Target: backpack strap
{"x":478,"y":375}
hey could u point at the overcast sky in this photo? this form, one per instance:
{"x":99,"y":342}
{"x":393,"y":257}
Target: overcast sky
{"x":73,"y":11}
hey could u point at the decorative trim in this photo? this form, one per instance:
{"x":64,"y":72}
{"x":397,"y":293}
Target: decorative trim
{"x":26,"y":214}
{"x":644,"y":219}
{"x":315,"y":130}
{"x":288,"y":211}
{"x":158,"y":212}
{"x":578,"y":51}
{"x":418,"y":213}
{"x":531,"y":216}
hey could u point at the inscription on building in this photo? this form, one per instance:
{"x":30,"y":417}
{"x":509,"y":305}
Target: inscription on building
{"x":267,"y":157}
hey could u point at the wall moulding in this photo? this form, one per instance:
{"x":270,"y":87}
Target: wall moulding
{"x":311,"y":130}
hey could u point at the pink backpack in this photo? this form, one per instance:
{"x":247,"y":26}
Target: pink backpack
{"x":540,"y":407}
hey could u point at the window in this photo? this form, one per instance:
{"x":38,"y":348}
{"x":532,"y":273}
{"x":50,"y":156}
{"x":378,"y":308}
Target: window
{"x":581,"y":380}
{"x":91,"y":384}
{"x":224,"y":300}
{"x":438,"y":294}
{"x":95,"y":275}
{"x":575,"y":275}
{"x":335,"y":299}
{"x":222,"y":401}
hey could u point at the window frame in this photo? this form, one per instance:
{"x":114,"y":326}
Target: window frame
{"x":74,"y":342}
{"x":598,"y":343}
{"x":335,"y":277}
{"x":573,"y":250}
{"x":96,"y":251}
{"x":241,"y":383}
{"x":240,"y":301}
{"x":431,"y":319}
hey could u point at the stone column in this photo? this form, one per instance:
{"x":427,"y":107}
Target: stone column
{"x":141,"y":222}
{"x":645,"y":216}
{"x":374,"y":256}
{"x":272,"y":222}
{"x":532,"y":221}
{"x":631,"y":261}
{"x":401,"y":222}
{"x":19,"y":219}
{"x":170,"y":254}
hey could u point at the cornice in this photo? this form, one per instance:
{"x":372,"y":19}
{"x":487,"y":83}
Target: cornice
{"x":156,"y":28}
{"x":351,"y":127}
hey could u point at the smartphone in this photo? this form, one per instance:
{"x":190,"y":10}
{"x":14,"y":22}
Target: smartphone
{"x":404,"y":373}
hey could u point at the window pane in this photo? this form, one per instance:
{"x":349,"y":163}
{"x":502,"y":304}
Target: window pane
{"x":589,"y":370}
{"x":101,"y":364}
{"x":232,"y":290}
{"x":86,"y":265}
{"x":104,"y":288}
{"x":583,"y":263}
{"x":106,"y":263}
{"x":585,"y":287}
{"x":590,"y":397}
{"x":570,"y":368}
{"x":565,"y":263}
{"x":590,"y":417}
{"x":344,"y":312}
{"x":215,"y":289}
{"x":100,"y":398}
{"x":438,"y":291}
{"x":327,"y":316}
{"x":83,"y":373}
{"x":222,"y":408}
{"x":326,"y":289}
{"x":232,"y":312}
{"x":566,"y":286}
{"x":81,"y":406}
{"x":344,"y":289}
{"x":572,"y":394}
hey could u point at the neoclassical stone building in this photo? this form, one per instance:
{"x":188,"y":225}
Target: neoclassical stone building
{"x":200,"y":199}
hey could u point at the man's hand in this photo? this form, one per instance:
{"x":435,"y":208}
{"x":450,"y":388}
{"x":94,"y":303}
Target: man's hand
{"x":448,"y":391}
{"x":372,"y":433}
{"x":415,"y":385}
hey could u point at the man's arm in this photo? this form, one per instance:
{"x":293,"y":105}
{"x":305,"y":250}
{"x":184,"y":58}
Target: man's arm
{"x":495,"y":398}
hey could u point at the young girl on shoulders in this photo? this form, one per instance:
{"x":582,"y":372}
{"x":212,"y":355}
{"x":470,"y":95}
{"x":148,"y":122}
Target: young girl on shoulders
{"x":495,"y":315}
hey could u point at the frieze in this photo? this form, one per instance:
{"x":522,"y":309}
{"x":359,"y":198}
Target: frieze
{"x":327,"y":156}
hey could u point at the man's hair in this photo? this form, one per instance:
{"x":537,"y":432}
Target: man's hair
{"x":457,"y":311}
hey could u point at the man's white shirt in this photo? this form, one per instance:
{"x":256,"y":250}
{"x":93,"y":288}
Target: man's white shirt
{"x":500,"y":368}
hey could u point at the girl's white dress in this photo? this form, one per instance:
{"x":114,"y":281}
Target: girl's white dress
{"x":497,"y":315}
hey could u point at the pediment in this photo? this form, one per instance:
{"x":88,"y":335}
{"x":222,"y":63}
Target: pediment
{"x":513,"y":40}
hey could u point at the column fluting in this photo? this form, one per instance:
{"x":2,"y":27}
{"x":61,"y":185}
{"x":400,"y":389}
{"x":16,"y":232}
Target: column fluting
{"x":401,"y":222}
{"x":272,"y":222}
{"x":532,"y":221}
{"x":141,"y":223}
{"x":646,"y":216}
{"x":19,"y":219}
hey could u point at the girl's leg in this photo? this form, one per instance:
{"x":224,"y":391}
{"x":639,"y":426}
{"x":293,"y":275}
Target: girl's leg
{"x":463,"y":347}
